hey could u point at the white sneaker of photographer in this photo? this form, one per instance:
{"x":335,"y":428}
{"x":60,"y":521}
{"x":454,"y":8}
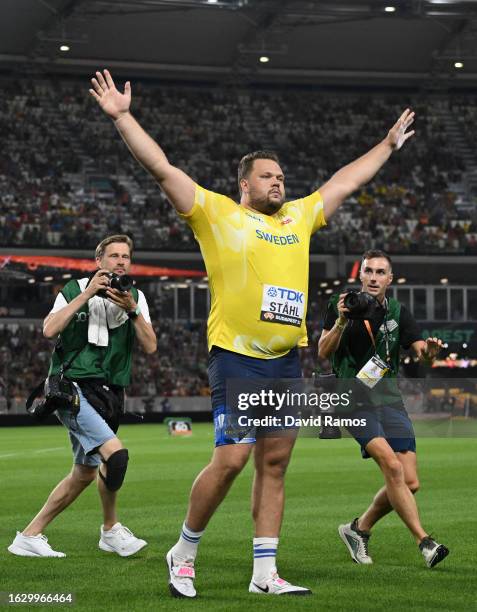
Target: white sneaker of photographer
{"x":121,"y":540}
{"x":32,"y":546}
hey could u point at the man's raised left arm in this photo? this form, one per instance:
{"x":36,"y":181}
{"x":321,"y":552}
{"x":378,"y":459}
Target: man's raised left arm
{"x":359,"y":172}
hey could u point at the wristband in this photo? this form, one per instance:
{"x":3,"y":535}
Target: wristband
{"x":134,"y":313}
{"x":339,"y":325}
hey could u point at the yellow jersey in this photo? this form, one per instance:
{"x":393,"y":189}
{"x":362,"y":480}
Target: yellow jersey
{"x":257,"y":266}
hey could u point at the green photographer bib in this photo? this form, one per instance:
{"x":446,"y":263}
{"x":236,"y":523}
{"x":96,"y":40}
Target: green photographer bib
{"x":344,"y":364}
{"x":111,"y":363}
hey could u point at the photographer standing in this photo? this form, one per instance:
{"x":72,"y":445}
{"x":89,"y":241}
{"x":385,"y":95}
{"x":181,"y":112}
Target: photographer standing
{"x":367,"y":347}
{"x":97,"y":324}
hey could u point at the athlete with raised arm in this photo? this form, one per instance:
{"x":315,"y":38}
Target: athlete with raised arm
{"x":252,"y":250}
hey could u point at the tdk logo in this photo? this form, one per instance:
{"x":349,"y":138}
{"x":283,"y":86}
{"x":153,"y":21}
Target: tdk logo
{"x":286,"y":294}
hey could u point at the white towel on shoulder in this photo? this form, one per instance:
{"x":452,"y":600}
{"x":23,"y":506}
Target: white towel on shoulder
{"x":103,"y":316}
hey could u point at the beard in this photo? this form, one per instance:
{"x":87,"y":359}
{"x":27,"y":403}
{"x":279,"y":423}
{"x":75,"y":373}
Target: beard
{"x":265,"y":204}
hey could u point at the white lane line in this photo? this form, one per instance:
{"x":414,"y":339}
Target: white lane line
{"x":41,"y":450}
{"x":49,"y":450}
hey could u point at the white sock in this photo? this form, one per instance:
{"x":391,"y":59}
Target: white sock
{"x":264,"y":558}
{"x":187,"y":544}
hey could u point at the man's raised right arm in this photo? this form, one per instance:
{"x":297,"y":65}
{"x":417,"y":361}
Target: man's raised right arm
{"x":176,"y":184}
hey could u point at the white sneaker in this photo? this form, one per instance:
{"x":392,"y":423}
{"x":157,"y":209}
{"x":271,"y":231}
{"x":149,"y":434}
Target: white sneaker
{"x":356,"y":542}
{"x":276,"y":586}
{"x":432,"y":551}
{"x":121,"y":540}
{"x":32,"y":546}
{"x":181,"y":577}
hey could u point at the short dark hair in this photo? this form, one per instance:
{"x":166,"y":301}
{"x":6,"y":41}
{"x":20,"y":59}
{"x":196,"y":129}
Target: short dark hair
{"x":246,"y":163}
{"x":101,"y":248}
{"x":373,"y":253}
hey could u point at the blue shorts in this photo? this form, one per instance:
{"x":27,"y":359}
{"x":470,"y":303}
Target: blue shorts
{"x":87,"y":431}
{"x":390,"y":422}
{"x":224,"y":364}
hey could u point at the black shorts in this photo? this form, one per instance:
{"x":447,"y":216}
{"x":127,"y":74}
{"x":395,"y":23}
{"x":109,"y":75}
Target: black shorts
{"x":390,"y":422}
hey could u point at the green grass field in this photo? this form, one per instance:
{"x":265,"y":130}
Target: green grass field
{"x":328,"y":483}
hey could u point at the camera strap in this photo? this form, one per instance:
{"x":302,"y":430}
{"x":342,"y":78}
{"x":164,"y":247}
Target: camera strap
{"x":68,"y":364}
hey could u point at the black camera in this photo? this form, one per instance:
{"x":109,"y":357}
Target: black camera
{"x":60,"y":394}
{"x":121,"y":282}
{"x":361,"y":305}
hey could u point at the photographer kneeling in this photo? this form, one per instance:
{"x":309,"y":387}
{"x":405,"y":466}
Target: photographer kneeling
{"x":362,"y":335}
{"x":97,"y":319}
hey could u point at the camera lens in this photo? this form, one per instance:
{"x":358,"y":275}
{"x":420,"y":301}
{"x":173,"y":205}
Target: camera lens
{"x":361,"y":305}
{"x":122,"y":283}
{"x":351,"y":300}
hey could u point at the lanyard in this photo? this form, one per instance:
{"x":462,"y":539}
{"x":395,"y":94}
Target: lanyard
{"x":370,"y":332}
{"x":367,"y":324}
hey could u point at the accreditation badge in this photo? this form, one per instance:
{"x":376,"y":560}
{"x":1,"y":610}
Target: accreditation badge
{"x":372,"y":371}
{"x":282,"y":305}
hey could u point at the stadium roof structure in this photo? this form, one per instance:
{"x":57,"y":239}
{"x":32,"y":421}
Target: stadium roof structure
{"x":327,"y":42}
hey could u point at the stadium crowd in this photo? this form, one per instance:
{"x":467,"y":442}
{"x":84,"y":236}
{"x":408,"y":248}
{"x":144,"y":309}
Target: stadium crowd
{"x":177,"y":368}
{"x":66,"y":180}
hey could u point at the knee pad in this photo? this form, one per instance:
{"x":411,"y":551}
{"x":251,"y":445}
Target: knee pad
{"x":116,"y":466}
